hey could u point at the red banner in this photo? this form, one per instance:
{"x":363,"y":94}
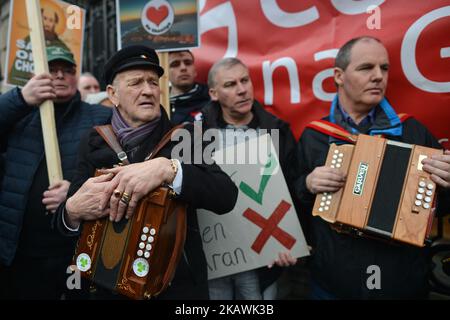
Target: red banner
{"x":290,"y":47}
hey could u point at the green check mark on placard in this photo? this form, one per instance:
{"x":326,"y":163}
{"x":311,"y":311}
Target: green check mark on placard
{"x":268,"y":169}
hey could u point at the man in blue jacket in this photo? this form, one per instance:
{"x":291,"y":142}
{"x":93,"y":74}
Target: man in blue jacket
{"x":33,"y":257}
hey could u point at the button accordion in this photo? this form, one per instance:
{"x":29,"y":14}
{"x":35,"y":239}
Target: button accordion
{"x":135,"y":257}
{"x":386,"y":194}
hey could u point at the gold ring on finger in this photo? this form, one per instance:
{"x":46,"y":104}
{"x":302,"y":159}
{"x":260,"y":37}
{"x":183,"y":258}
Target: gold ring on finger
{"x":125,"y":198}
{"x":117,"y":193}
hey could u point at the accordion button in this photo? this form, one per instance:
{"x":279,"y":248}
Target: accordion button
{"x":325,"y":193}
{"x":145,"y":230}
{"x":418,"y":202}
{"x":430,"y":186}
{"x":140,"y":253}
{"x":422,"y":184}
{"x":419,"y":196}
{"x":328,"y":202}
{"x":426,"y":206}
{"x":427,"y":199}
{"x":339,"y":160}
{"x":320,"y":209}
{"x":336,"y":151}
{"x":429,"y":192}
{"x":322,"y":204}
{"x":324,"y":198}
{"x":150,"y":239}
{"x":332,"y":166}
{"x":152,"y":231}
{"x":335,"y":157}
{"x":333,"y":162}
{"x":143,"y":237}
{"x":148,"y":247}
{"x":327,"y":208}
{"x":338,"y":165}
{"x":421,"y":190}
{"x":141,"y":245}
{"x":146,"y":254}
{"x":329,"y":197}
{"x":341,"y":155}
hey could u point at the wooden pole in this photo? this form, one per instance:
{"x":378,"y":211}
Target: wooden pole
{"x":46,"y":108}
{"x":164,"y":81}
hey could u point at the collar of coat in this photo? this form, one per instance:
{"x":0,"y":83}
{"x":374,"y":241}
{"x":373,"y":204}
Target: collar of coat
{"x":212,"y":116}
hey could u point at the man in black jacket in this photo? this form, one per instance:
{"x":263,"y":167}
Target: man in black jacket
{"x":342,"y":264}
{"x":233,"y":107}
{"x":187,"y":97}
{"x":139,"y":122}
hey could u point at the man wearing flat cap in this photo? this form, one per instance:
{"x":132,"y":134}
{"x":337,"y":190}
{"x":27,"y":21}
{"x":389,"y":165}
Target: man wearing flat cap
{"x":33,"y":257}
{"x":139,"y":122}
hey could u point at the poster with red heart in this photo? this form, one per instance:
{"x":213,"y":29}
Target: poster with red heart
{"x":161,"y":24}
{"x":290,"y":48}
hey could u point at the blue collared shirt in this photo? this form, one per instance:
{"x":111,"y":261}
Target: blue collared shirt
{"x":368,"y":120}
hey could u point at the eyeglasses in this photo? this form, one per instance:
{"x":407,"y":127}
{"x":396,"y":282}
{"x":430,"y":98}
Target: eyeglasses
{"x":65,"y":70}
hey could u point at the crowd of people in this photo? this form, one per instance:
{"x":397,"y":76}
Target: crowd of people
{"x":40,"y":223}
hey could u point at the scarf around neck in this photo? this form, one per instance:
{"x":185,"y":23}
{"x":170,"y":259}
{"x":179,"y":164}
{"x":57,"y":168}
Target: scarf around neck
{"x":128,"y":136}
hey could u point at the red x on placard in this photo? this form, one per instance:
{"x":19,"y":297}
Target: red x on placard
{"x":270,"y":227}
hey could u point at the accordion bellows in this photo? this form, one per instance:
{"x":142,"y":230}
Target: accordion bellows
{"x":386,"y":194}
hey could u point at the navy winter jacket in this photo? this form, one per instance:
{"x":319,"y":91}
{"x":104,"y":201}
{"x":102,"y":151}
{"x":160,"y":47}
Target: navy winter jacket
{"x":23,"y":149}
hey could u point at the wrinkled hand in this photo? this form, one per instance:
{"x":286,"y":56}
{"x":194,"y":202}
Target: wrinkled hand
{"x":90,"y":201}
{"x":439,"y":167}
{"x":137,"y":180}
{"x":325,"y":179}
{"x":55,"y":195}
{"x":38,"y":89}
{"x":285,"y":259}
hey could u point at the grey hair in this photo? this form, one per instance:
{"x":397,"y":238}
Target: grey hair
{"x":343,"y":57}
{"x":87,"y":74}
{"x":223,"y":63}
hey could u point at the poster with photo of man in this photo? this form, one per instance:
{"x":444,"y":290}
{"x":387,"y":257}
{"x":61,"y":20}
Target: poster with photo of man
{"x":63,"y":25}
{"x":161,"y":24}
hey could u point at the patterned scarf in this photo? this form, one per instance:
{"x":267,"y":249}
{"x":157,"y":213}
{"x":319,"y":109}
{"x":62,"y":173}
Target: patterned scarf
{"x":130,"y":137}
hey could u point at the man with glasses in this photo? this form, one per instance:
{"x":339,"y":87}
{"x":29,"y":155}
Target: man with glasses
{"x":33,"y":257}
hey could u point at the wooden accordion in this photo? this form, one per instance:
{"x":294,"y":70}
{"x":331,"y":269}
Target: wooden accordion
{"x":386,"y":194}
{"x":136,"y":257}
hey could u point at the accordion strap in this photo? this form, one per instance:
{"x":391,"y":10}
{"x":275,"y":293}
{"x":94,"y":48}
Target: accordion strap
{"x":338,"y":132}
{"x":404,"y":116}
{"x":107,"y":133}
{"x":333,"y":130}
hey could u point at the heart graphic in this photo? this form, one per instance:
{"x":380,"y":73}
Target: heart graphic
{"x":157,"y":15}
